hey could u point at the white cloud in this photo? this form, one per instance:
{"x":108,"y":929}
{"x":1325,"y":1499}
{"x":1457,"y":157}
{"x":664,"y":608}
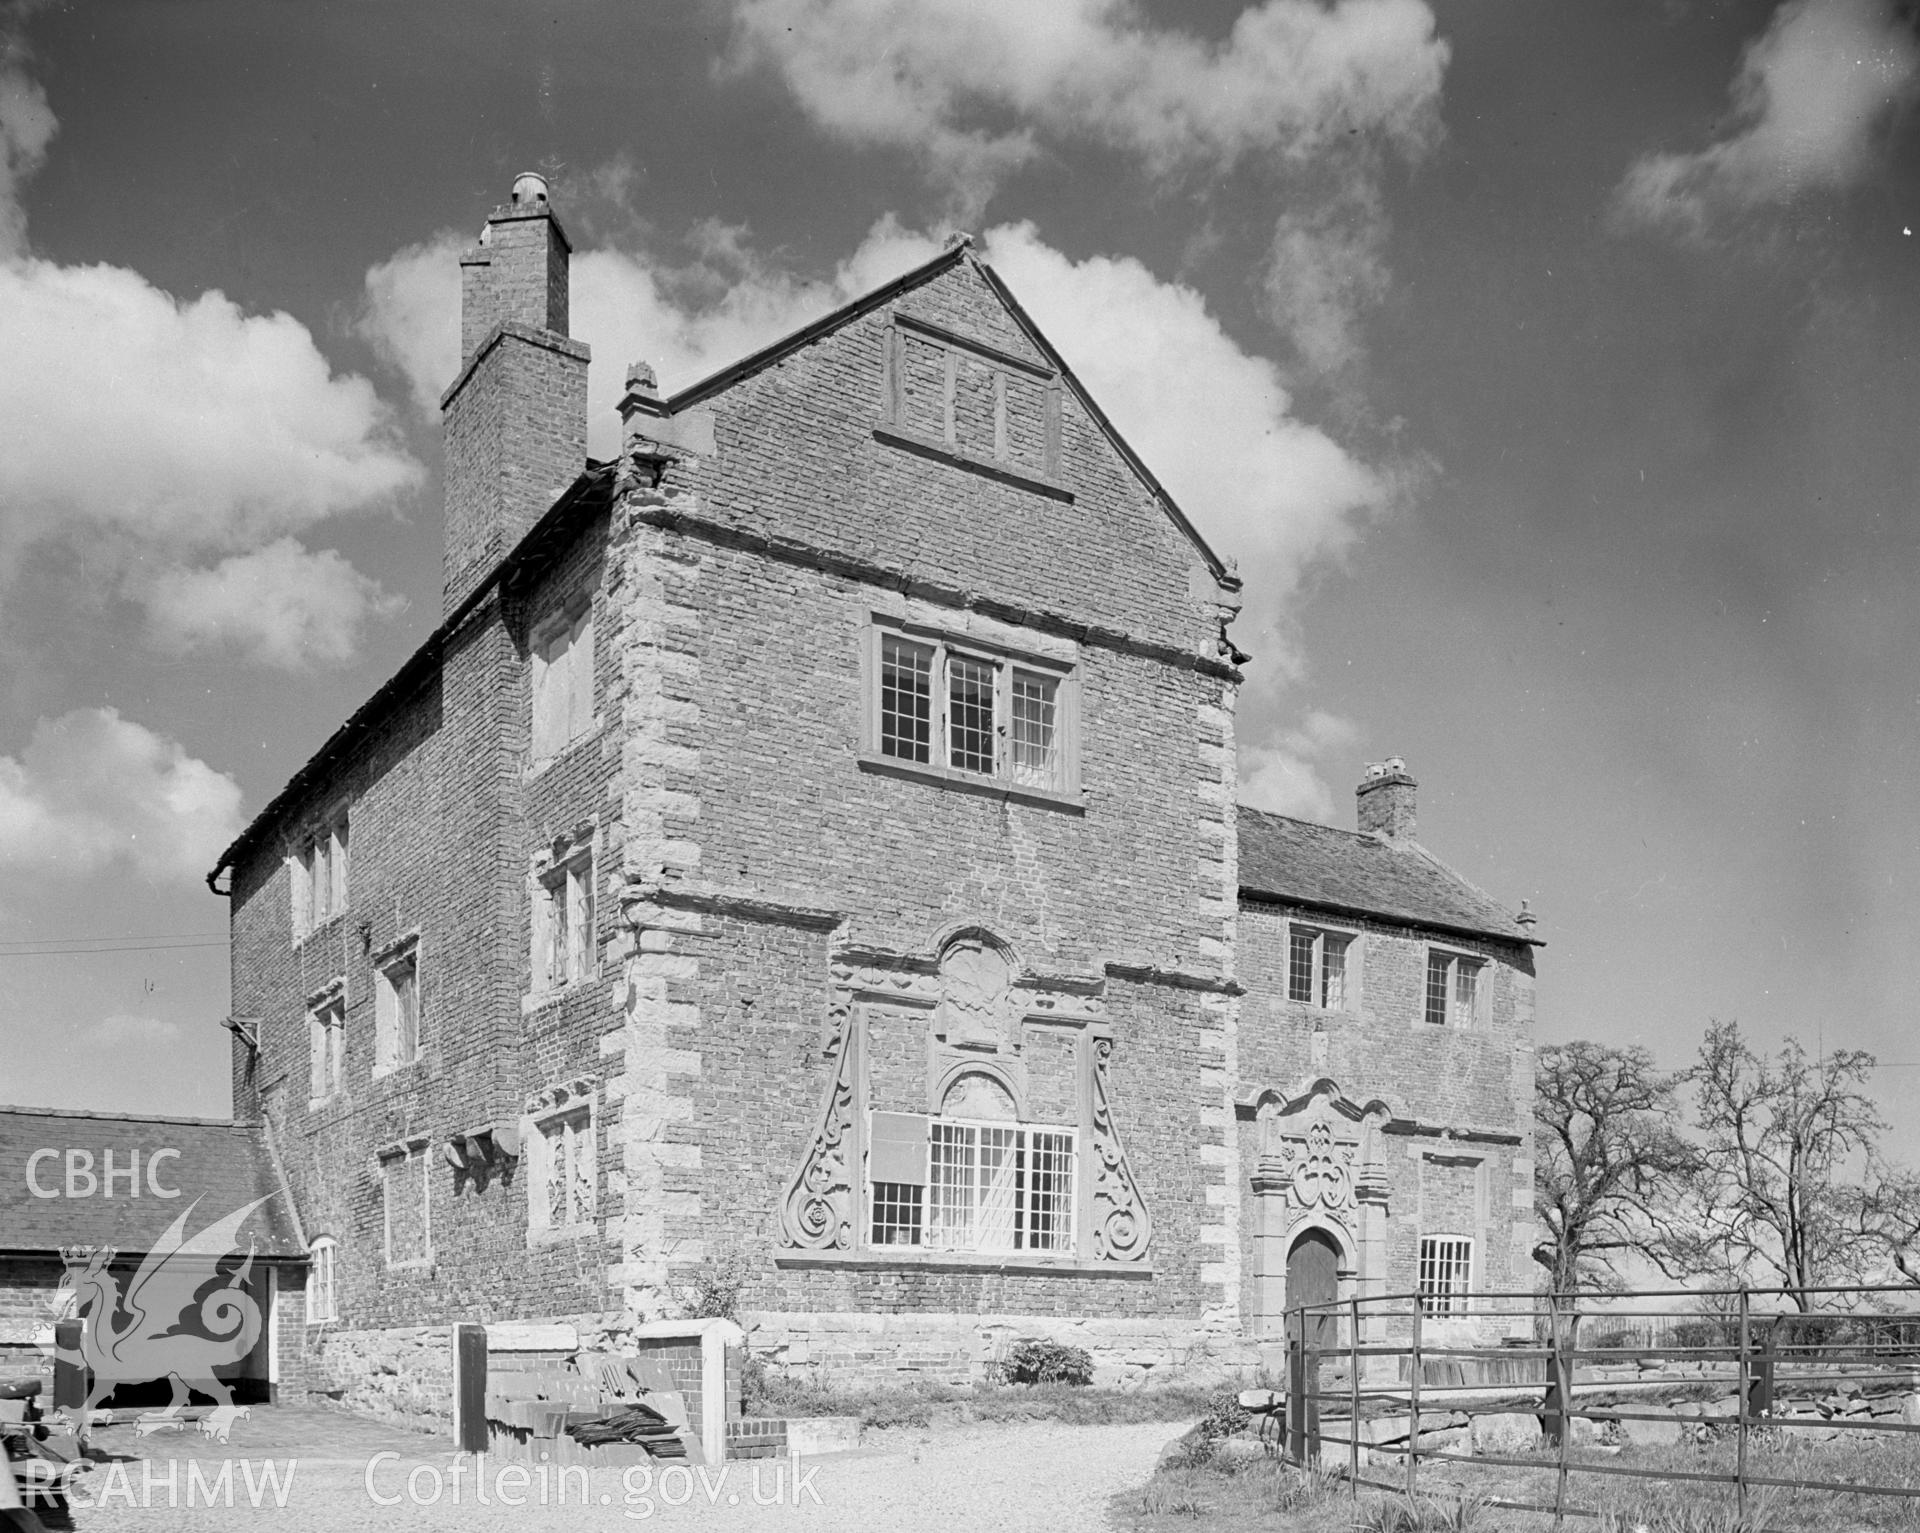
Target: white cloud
{"x":125,"y":1030}
{"x":159,"y":429}
{"x":1812,"y":93}
{"x":1325,"y":269}
{"x":93,"y":790}
{"x":280,"y":605}
{"x":1211,"y":419}
{"x":1285,"y":775}
{"x":943,"y":76}
{"x":184,"y":423}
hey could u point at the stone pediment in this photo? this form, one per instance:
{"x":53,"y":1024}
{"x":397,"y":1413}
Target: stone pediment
{"x":1319,"y":1149}
{"x":1260,"y":1101}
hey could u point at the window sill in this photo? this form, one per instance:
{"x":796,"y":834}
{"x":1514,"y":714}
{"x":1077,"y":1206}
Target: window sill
{"x":966,"y":782}
{"x":425,"y":1264}
{"x":381,"y":1072}
{"x":959,"y":457}
{"x":1013,"y":1263}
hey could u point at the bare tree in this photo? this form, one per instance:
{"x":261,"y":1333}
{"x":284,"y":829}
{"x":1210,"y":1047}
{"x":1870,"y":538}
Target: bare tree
{"x":1605,"y":1148}
{"x":1778,"y":1194}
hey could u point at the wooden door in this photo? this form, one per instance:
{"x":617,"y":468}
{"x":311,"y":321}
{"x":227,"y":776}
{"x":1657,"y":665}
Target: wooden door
{"x":1313,"y":1277}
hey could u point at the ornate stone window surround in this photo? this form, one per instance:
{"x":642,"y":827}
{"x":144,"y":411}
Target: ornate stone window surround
{"x":562,"y":1120}
{"x":1052,"y":662}
{"x":563,"y":916}
{"x":827,"y":1216}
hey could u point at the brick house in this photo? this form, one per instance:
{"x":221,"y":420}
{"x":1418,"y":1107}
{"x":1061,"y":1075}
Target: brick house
{"x":1385,"y":1049}
{"x":803,"y":861}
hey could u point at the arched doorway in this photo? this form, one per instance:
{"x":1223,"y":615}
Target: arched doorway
{"x":1313,"y":1277}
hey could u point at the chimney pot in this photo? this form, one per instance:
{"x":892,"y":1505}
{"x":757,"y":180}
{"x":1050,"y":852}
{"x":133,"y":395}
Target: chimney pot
{"x":1384,"y":801}
{"x":529,"y":190}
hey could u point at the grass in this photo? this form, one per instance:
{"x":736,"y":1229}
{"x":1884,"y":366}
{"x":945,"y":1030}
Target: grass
{"x":1214,"y":1490}
{"x":922,"y":1405}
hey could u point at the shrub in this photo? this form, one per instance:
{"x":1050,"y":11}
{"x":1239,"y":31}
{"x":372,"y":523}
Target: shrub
{"x":714,"y":1294}
{"x":1225,"y":1415}
{"x":1047,"y":1362}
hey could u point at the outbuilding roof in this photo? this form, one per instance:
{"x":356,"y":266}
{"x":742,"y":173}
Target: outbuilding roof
{"x":55,"y":1190}
{"x":1360,"y":874}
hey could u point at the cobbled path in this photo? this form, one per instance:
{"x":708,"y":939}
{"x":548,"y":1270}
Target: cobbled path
{"x":1034,"y":1478}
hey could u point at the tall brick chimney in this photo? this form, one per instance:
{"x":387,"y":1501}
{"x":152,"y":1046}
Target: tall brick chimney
{"x":516,"y":417}
{"x":1385,"y":800}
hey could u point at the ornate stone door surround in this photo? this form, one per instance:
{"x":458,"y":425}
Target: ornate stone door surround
{"x":1319,"y":1167}
{"x":981,"y":1005}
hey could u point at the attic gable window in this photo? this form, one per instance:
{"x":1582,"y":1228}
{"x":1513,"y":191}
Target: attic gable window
{"x":969,"y":713}
{"x":968,"y":402}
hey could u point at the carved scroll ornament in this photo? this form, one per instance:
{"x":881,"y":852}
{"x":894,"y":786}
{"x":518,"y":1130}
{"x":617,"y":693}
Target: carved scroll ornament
{"x":817,"y":1212}
{"x":1122,"y":1227}
{"x":1319,"y":1171}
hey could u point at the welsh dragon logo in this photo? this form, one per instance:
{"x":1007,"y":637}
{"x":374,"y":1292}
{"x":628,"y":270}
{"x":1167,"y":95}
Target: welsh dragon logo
{"x":164,"y":1321}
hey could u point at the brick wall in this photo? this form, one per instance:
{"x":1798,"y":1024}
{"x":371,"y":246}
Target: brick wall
{"x":448,"y":814}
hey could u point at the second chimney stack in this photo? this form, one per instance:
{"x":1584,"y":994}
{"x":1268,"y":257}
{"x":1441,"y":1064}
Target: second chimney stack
{"x":1385,"y":800}
{"x":516,"y":417}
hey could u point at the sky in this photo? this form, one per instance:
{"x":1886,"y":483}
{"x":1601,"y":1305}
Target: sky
{"x":1547,"y":369}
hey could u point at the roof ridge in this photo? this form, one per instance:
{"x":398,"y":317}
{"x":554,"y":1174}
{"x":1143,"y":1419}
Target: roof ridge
{"x":1294,"y":819}
{"x":765,"y":356}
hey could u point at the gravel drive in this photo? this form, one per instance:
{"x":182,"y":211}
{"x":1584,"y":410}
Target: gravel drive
{"x":1002,"y":1478}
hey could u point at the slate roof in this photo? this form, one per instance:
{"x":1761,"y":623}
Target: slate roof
{"x":1364,"y":875}
{"x":223,"y":1165}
